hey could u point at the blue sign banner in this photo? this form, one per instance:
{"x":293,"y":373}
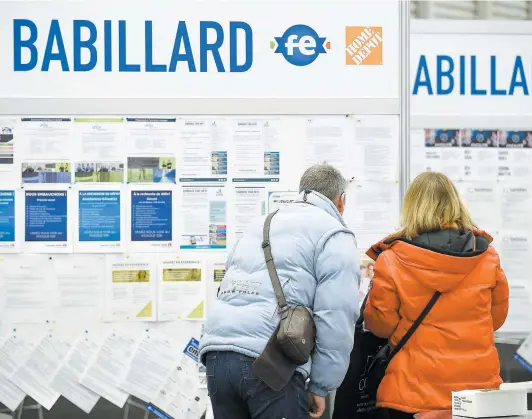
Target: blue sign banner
{"x":151,"y":216}
{"x":46,"y":216}
{"x":448,"y":75}
{"x":192,"y":349}
{"x":27,"y":35}
{"x":99,"y":216}
{"x":7,"y":216}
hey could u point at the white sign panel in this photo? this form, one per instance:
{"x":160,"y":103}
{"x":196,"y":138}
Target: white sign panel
{"x":458,"y":71}
{"x":175,"y":50}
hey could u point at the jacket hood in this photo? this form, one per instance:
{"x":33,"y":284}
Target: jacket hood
{"x":453,"y":253}
{"x":321,"y":201}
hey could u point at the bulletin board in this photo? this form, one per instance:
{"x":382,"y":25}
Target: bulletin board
{"x":471,"y":118}
{"x":137,"y":145}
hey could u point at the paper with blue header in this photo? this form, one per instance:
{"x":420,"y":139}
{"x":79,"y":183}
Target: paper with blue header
{"x":100,"y":221}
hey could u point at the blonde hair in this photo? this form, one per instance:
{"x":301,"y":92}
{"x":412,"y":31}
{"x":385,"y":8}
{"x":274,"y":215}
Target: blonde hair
{"x":432,"y":203}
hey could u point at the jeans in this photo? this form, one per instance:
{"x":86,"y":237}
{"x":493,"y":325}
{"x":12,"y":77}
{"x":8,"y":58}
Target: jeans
{"x":237,"y":393}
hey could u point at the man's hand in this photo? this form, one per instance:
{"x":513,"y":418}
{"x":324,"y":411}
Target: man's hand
{"x":316,"y":405}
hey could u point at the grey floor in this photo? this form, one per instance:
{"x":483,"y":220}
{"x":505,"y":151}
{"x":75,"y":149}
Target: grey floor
{"x":511,"y":371}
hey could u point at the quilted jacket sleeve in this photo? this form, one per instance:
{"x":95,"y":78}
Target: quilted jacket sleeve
{"x":499,"y":300}
{"x":381,"y":315}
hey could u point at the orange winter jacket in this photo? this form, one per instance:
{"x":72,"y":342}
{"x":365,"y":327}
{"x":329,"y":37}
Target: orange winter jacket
{"x":454,"y":347}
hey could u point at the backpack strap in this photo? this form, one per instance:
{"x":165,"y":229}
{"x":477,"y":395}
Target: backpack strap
{"x":415,"y":325}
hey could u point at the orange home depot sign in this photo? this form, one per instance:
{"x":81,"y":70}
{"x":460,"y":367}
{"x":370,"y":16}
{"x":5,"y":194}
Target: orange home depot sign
{"x":363,"y":45}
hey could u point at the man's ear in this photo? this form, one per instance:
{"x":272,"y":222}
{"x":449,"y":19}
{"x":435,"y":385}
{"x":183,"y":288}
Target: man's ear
{"x":340,"y":204}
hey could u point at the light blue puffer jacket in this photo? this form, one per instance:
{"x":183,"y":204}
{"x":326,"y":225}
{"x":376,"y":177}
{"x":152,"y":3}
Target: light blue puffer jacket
{"x":318,"y":265}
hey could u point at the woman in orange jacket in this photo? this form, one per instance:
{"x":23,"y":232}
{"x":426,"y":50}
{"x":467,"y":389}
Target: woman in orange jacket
{"x":437,"y":249}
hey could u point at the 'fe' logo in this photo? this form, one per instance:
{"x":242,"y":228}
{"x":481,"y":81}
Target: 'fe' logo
{"x":300,"y":45}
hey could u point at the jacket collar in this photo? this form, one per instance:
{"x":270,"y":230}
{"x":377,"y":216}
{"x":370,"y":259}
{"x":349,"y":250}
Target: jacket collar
{"x":386,"y":243}
{"x":322,"y":202}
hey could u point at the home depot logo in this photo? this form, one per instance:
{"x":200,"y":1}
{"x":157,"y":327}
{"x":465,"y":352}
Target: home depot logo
{"x":363,"y":45}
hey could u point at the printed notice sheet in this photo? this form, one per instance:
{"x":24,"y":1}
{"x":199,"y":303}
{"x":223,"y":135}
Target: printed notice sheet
{"x":329,"y":140}
{"x":27,"y":295}
{"x":107,"y":366}
{"x":46,"y":221}
{"x":257,"y":155}
{"x":10,"y":395}
{"x":99,"y":221}
{"x":66,"y":379}
{"x":130,"y":290}
{"x":79,"y":287}
{"x":375,"y":153}
{"x":180,"y":396}
{"x":153,"y":358}
{"x":7,"y":144}
{"x":437,"y":150}
{"x":10,"y":221}
{"x":515,"y":155}
{"x":250,"y":205}
{"x":519,"y":320}
{"x":151,"y":135}
{"x":480,"y":154}
{"x":152,"y":220}
{"x":514,"y":251}
{"x":204,"y":149}
{"x":181,"y":290}
{"x":99,"y":139}
{"x":483,"y":202}
{"x":516,"y":206}
{"x":203,"y":217}
{"x":34,"y":375}
{"x":281,"y":199}
{"x":372,"y":211}
{"x":46,"y":138}
{"x":13,"y":352}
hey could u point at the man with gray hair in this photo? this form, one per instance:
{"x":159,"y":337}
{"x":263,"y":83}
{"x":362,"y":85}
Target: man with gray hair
{"x":318,"y":266}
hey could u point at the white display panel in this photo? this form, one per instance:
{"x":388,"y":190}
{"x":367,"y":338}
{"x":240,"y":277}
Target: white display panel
{"x":478,"y":131}
{"x":146,"y":131}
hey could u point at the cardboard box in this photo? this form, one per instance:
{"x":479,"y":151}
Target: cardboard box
{"x":489,"y":403}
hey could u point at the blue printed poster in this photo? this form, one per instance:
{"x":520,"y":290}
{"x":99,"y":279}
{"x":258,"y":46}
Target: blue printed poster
{"x":7,"y":220}
{"x":151,"y":219}
{"x":46,"y":214}
{"x":100,"y":220}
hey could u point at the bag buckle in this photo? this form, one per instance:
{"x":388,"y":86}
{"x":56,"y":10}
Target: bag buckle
{"x":265,"y":244}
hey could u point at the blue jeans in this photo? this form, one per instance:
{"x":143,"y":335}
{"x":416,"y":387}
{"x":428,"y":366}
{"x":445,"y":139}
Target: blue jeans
{"x":237,"y":393}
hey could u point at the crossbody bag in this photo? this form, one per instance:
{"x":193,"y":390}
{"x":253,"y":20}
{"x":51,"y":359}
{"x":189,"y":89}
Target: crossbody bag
{"x":292,"y":342}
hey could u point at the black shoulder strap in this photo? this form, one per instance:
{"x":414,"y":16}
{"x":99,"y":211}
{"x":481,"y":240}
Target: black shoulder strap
{"x":415,"y":325}
{"x":281,"y":300}
{"x":360,"y":320}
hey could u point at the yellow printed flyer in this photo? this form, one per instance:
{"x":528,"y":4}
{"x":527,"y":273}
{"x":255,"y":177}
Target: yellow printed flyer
{"x":181,"y":290}
{"x":131,"y":290}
